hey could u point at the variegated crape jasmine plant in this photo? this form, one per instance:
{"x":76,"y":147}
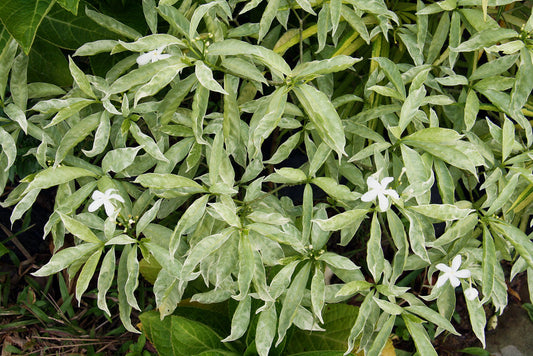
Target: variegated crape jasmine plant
{"x":286,"y":155}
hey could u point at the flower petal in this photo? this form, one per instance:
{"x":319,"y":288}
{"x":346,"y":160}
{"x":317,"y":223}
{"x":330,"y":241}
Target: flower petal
{"x":456,"y":263}
{"x":97,"y":195}
{"x":163,"y":56}
{"x":385,"y":181}
{"x":94,"y":206}
{"x":369,"y":196}
{"x":464,"y":273}
{"x":109,"y":208}
{"x":442,"y":280}
{"x":471,"y":293}
{"x":442,"y":267}
{"x":144,"y":58}
{"x":116,"y":197}
{"x":454,"y":281}
{"x":383,"y":202}
{"x":392,"y":193}
{"x":372,"y":183}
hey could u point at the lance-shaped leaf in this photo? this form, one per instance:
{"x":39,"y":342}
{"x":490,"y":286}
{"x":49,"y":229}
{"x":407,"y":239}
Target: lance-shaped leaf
{"x":420,"y":336}
{"x":292,"y":300}
{"x":101,"y":137}
{"x":374,"y":255}
{"x":202,"y":250}
{"x":112,"y":25}
{"x":266,"y":329}
{"x":266,"y":56}
{"x":443,"y":212}
{"x":326,"y":66}
{"x":166,"y":181}
{"x":8,"y":147}
{"x":16,"y":114}
{"x":485,"y":38}
{"x":122,"y":277}
{"x":105,"y":279}
{"x":79,"y":229}
{"x":64,"y":258}
{"x":342,"y":220}
{"x":318,"y":292}
{"x":75,"y":135}
{"x":87,"y":273}
{"x":147,"y":142}
{"x":338,"y":261}
{"x":240,"y":320}
{"x":323,"y":115}
{"x":516,"y":237}
{"x":119,"y":159}
{"x":489,"y":263}
{"x":205,"y":77}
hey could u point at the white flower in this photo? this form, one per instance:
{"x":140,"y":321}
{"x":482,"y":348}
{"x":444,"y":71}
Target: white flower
{"x":105,"y":200}
{"x":152,"y":56}
{"x":471,"y":293}
{"x":377,"y":189}
{"x":452,"y":273}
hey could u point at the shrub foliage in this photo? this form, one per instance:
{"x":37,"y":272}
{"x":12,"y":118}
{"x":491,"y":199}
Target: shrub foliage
{"x":249,"y":150}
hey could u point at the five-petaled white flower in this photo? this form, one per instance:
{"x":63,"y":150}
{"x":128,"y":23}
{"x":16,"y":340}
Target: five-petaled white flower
{"x":152,"y":56}
{"x":377,"y":189}
{"x":452,"y":273}
{"x":471,"y":293}
{"x":105,"y":200}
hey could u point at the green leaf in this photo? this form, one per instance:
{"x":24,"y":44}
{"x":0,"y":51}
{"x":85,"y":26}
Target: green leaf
{"x":353,"y":287}
{"x":75,"y":135}
{"x":393,"y":74}
{"x":22,"y":19}
{"x":323,"y":115}
{"x":316,"y":68}
{"x":64,"y":258}
{"x":266,"y":330}
{"x":287,"y":175}
{"x":101,"y":137}
{"x":341,"y":220}
{"x":7,"y":55}
{"x":268,"y":16}
{"x":444,"y":212}
{"x":243,"y":68}
{"x":87,"y":273}
{"x":524,"y":81}
{"x":179,"y":336}
{"x":338,"y":319}
{"x":169,"y":181}
{"x":374,"y":256}
{"x":202,"y":250}
{"x":489,"y":263}
{"x":240,"y":320}
{"x":147,"y":218}
{"x":132,"y":280}
{"x":112,"y":25}
{"x":79,"y":229}
{"x":420,"y":336}
{"x":504,"y":196}
{"x":105,"y":279}
{"x":516,"y":237}
{"x":471,"y":109}
{"x":274,"y":61}
{"x":80,"y":78}
{"x":478,"y":319}
{"x":338,"y":261}
{"x":292,"y":300}
{"x":318,"y":292}
{"x":16,"y":114}
{"x":485,"y":38}
{"x":9,"y":148}
{"x":147,"y":143}
{"x":19,"y":79}
{"x":432,"y":316}
{"x":119,"y":159}
{"x":205,"y":77}
{"x":122,"y":277}
{"x":57,"y":175}
{"x":48,"y":64}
